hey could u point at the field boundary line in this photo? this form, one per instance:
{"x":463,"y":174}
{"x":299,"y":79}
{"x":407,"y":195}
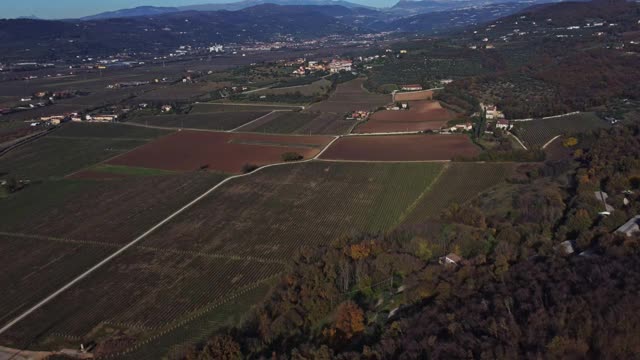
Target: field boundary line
{"x":317,"y":157}
{"x":98,"y":137}
{"x":252,"y":104}
{"x":147,"y":248}
{"x":57,"y":239}
{"x":118,"y":155}
{"x":547,"y":117}
{"x":550,"y":141}
{"x":385,"y":161}
{"x":88,"y":272}
{"x":16,"y":143}
{"x":255,"y":120}
{"x":518,"y":140}
{"x":174,"y":129}
{"x":411,"y":208}
{"x":213,"y":256}
{"x":386,"y":133}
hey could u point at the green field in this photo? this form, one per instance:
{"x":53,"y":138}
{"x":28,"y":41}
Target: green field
{"x":224,"y":120}
{"x":109,"y":131}
{"x":319,"y":87}
{"x":285,"y":122}
{"x":536,"y":133}
{"x":57,"y":157}
{"x":129,"y":170}
{"x":459,"y":183}
{"x":72,"y":148}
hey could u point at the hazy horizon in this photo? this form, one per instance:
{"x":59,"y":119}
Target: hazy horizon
{"x":67,"y":9}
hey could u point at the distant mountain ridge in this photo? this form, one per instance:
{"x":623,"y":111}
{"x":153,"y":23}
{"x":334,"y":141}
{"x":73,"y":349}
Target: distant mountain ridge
{"x":133,"y":12}
{"x":404,"y":8}
{"x":415,"y":7}
{"x":447,"y":20}
{"x":162,"y":32}
{"x":231,"y":6}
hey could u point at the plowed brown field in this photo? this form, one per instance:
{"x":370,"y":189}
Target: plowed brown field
{"x":226,"y":152}
{"x":421,"y":116}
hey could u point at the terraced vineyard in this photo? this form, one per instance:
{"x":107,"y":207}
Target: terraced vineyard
{"x":459,"y":183}
{"x":536,"y":133}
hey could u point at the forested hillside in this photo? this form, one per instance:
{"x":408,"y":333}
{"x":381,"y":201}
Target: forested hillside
{"x":517,"y":292}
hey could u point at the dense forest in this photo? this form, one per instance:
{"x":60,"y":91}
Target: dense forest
{"x":516,"y":292}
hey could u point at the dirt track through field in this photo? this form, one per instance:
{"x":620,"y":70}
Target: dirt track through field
{"x":135,"y":241}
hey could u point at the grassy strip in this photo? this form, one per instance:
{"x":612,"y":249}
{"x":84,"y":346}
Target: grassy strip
{"x":130,"y":170}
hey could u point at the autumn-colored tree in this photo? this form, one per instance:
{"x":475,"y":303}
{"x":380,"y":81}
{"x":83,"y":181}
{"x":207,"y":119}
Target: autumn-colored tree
{"x":349,"y":319}
{"x":359,"y":251}
{"x":221,"y":347}
{"x":570,"y":142}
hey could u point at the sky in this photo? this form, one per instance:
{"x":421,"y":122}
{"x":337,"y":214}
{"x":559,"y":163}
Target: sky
{"x":65,"y":9}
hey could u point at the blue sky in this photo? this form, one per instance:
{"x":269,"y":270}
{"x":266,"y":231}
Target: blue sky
{"x":57,"y":9}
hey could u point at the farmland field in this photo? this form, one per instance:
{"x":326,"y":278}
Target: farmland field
{"x":225,"y":120}
{"x":230,"y":312}
{"x":143,"y":291}
{"x":225,"y":152}
{"x":35,"y":267}
{"x":401,"y":148}
{"x":319,"y":87}
{"x":413,"y":95}
{"x":111,"y":211}
{"x":210,"y":262}
{"x":181,"y":91}
{"x":536,"y":133}
{"x":302,"y":123}
{"x":276,"y":211}
{"x":109,"y":131}
{"x":71,"y":148}
{"x":351,"y":96}
{"x":232,"y":107}
{"x":459,"y":183}
{"x":421,"y":116}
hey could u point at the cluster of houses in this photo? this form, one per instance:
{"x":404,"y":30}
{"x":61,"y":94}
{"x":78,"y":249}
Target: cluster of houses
{"x":54,"y":120}
{"x":496,"y":117}
{"x":632,"y":226}
{"x":37,"y":100}
{"x":304,"y":67}
{"x":127,"y":84}
{"x":398,"y":106}
{"x":338,"y":65}
{"x":492,"y":112}
{"x":359,"y":115}
{"x":335,"y":66}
